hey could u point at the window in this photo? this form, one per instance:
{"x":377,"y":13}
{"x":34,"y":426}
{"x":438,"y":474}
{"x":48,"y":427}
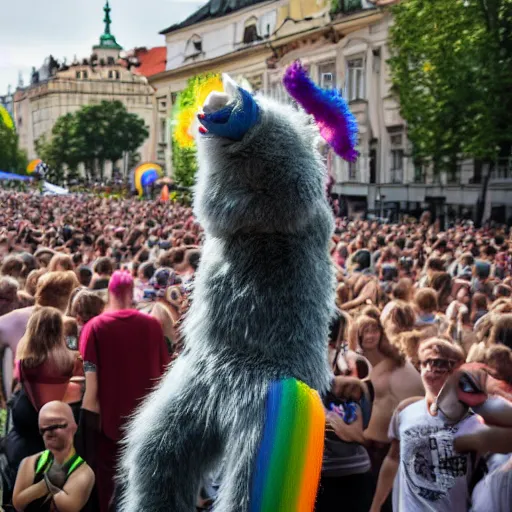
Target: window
{"x":352,"y":5}
{"x":355,"y":79}
{"x":396,"y":139}
{"x":82,"y":75}
{"x":251,"y":31}
{"x":397,"y":164}
{"x":327,"y":75}
{"x":114,"y":75}
{"x":278,"y":93}
{"x":194,"y":46}
{"x":353,"y":168}
{"x":163,"y":130}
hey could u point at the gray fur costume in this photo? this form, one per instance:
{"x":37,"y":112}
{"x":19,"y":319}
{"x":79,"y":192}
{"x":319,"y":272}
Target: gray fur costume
{"x":263,"y":298}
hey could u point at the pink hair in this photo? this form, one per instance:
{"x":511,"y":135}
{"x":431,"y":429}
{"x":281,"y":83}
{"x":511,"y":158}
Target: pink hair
{"x":120,"y":283}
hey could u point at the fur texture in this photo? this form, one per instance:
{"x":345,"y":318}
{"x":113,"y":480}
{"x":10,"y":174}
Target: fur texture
{"x":263,"y":298}
{"x":337,"y":124}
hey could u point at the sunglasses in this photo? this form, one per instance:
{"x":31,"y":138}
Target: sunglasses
{"x":51,"y":428}
{"x":441,"y":365}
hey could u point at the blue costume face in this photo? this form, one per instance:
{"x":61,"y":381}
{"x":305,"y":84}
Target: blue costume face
{"x":233,"y":120}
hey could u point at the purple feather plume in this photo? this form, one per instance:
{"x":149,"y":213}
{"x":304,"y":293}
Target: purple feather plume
{"x":337,"y":125}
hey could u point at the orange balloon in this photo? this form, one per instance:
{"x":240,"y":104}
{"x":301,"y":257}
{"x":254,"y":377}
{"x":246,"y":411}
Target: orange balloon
{"x":165,"y":193}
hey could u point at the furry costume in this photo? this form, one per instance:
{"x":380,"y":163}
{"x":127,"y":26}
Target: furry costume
{"x":242,"y":393}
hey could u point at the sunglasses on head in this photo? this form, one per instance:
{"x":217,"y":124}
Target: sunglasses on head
{"x":51,"y":428}
{"x":444,"y":365}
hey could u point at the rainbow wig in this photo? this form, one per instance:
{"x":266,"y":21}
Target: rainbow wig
{"x":189,"y":104}
{"x":336,"y":123}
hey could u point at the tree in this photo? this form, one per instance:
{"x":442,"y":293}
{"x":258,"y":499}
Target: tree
{"x":12,"y":158}
{"x":63,"y":150}
{"x":184,"y":164}
{"x":451,"y":70}
{"x":91,"y":136}
{"x":124,"y":132}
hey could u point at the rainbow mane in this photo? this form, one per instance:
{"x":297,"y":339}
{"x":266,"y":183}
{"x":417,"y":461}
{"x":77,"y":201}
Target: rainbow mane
{"x":190,"y":104}
{"x":31,"y":167}
{"x":289,"y":460}
{"x":145,"y":174}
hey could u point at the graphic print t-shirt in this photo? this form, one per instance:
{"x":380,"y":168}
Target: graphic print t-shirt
{"x":432,"y":475}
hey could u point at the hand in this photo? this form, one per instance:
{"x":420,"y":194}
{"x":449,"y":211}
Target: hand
{"x":467,"y":439}
{"x":349,"y":433}
{"x":347,"y":388}
{"x":52,"y":489}
{"x":56,"y":475}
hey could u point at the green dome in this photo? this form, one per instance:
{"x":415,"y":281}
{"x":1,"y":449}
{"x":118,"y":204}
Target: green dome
{"x":107,"y":40}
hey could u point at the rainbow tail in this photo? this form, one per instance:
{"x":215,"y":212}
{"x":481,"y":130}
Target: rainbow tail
{"x":289,"y":459}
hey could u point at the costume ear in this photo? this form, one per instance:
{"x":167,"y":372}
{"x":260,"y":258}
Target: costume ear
{"x":337,"y":124}
{"x":230,"y":114}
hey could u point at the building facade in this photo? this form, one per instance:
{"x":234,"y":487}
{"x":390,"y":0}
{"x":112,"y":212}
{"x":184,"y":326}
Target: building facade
{"x":57,"y":89}
{"x":7,"y":101}
{"x":344,"y":43}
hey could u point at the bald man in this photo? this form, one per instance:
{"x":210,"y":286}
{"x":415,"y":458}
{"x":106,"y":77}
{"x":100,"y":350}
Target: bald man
{"x":58,"y":478}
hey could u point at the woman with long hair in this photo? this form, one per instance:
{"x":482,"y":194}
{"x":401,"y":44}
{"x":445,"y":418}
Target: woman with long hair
{"x":44,"y":364}
{"x":441,"y":282}
{"x":47,"y":370}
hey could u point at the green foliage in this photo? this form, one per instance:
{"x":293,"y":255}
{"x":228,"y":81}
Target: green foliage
{"x":12,"y":159}
{"x":451,"y":69}
{"x":184,"y":164}
{"x":91,"y":136}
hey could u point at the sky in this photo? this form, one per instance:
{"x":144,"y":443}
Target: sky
{"x":34,"y":29}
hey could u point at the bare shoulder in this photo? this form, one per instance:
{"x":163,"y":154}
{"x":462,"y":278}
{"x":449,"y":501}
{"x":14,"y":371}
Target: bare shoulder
{"x":83,"y":473}
{"x":28,"y":463}
{"x":407,"y":402}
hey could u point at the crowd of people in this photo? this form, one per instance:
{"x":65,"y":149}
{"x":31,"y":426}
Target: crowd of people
{"x":92,"y":295}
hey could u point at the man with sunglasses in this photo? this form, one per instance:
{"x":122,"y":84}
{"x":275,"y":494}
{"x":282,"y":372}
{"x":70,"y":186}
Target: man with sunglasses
{"x":430,"y":474}
{"x":58,"y":478}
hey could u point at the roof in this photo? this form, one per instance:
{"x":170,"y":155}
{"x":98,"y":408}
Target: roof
{"x":211,"y":10}
{"x":152,"y":61}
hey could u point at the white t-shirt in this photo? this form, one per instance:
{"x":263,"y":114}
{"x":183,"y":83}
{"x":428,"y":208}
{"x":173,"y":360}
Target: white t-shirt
{"x":494,"y":492}
{"x":432,"y":476}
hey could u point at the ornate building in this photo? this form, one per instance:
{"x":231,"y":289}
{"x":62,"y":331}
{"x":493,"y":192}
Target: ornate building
{"x":58,"y":88}
{"x":344,"y":43}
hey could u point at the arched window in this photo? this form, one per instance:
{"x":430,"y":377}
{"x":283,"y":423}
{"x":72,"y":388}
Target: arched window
{"x":194,"y":46}
{"x":251,"y":30}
